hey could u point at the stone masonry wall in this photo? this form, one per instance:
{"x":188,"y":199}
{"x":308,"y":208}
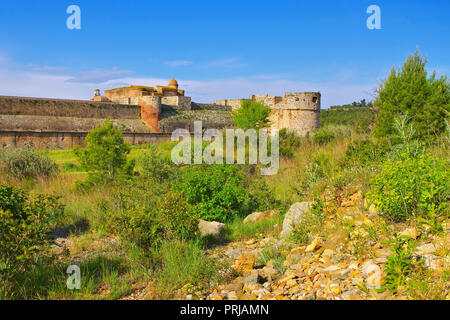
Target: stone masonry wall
{"x":67,"y":140}
{"x":67,"y":108}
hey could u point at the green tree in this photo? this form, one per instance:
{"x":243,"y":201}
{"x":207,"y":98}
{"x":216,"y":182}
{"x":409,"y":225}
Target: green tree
{"x":105,"y":154}
{"x":410,"y":90}
{"x":251,"y":114}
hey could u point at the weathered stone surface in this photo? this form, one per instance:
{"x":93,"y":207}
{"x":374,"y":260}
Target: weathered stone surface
{"x":335,"y":239}
{"x":316,"y":244}
{"x":245,"y":263}
{"x":294,"y":216}
{"x":207,"y":228}
{"x":427,"y":248}
{"x":373,"y":274}
{"x":258,"y":216}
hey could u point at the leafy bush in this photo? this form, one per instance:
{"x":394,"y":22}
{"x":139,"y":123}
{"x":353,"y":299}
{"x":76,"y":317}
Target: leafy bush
{"x":216,"y":192}
{"x":251,"y":114}
{"x":25,"y":224}
{"x":155,"y":166}
{"x":412,"y":187}
{"x":21,"y":163}
{"x":407,"y":143}
{"x":410,"y":90}
{"x":289,"y":141}
{"x":323,"y":137}
{"x":148,"y":220}
{"x":400,"y":264}
{"x":105,"y":154}
{"x":261,"y":196}
{"x":365,"y":152}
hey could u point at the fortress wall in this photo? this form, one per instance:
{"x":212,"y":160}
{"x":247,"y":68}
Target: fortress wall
{"x":67,"y":108}
{"x":66,"y":140}
{"x":301,"y":121}
{"x":233,"y":103}
{"x":181,"y":102}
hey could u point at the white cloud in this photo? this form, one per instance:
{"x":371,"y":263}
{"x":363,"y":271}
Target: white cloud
{"x":44,"y":82}
{"x":178,"y":63}
{"x":226,"y":63}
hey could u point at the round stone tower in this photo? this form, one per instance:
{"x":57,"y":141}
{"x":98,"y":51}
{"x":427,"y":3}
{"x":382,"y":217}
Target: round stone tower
{"x":298,"y":111}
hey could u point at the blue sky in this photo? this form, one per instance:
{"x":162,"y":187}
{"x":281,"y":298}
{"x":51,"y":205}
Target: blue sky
{"x":216,"y":49}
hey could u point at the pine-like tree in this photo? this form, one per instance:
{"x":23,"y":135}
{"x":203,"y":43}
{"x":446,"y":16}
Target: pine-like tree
{"x":410,"y":91}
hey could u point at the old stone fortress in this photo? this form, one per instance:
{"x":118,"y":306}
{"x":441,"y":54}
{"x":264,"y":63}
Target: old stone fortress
{"x":145,"y":115}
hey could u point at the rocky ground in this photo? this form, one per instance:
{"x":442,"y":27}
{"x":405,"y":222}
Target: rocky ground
{"x":345,"y":259}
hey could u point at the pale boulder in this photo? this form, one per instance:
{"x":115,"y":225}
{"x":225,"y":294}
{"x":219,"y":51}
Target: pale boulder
{"x":294,"y":217}
{"x":258,"y":216}
{"x":213,"y":228}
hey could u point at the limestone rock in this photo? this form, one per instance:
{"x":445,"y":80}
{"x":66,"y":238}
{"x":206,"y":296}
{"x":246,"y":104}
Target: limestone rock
{"x":294,"y":256}
{"x":410,"y":232}
{"x":245,"y":263}
{"x":207,"y":228}
{"x":373,"y":274}
{"x":352,"y":200}
{"x":335,"y":239}
{"x":428,"y":248}
{"x":294,"y":217}
{"x":257,"y":216}
{"x":316,"y":244}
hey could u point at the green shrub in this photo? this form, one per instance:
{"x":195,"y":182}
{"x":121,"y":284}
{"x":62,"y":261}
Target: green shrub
{"x":141,"y":216}
{"x":251,"y":114}
{"x":155,"y":166}
{"x":410,"y":90}
{"x":105,"y":154}
{"x":174,"y":213}
{"x":21,"y":163}
{"x":323,"y":137}
{"x":365,"y":152}
{"x":25,"y":225}
{"x":400,"y":264}
{"x":409,"y":187}
{"x":261,"y":196}
{"x":289,"y":142}
{"x":216,"y":192}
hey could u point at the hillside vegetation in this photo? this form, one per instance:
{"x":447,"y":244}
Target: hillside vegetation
{"x":349,"y":215}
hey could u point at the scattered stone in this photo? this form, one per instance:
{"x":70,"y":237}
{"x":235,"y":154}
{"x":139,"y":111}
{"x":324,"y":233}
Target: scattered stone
{"x":380,"y":260}
{"x":233,"y":253}
{"x":294,"y":256}
{"x":335,"y":239}
{"x":428,"y":248}
{"x":315,"y":245}
{"x":207,"y":228}
{"x":410,"y":232}
{"x":352,"y":200}
{"x":294,"y":217}
{"x":245,"y":263}
{"x":258,"y":216}
{"x":373,"y":274}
